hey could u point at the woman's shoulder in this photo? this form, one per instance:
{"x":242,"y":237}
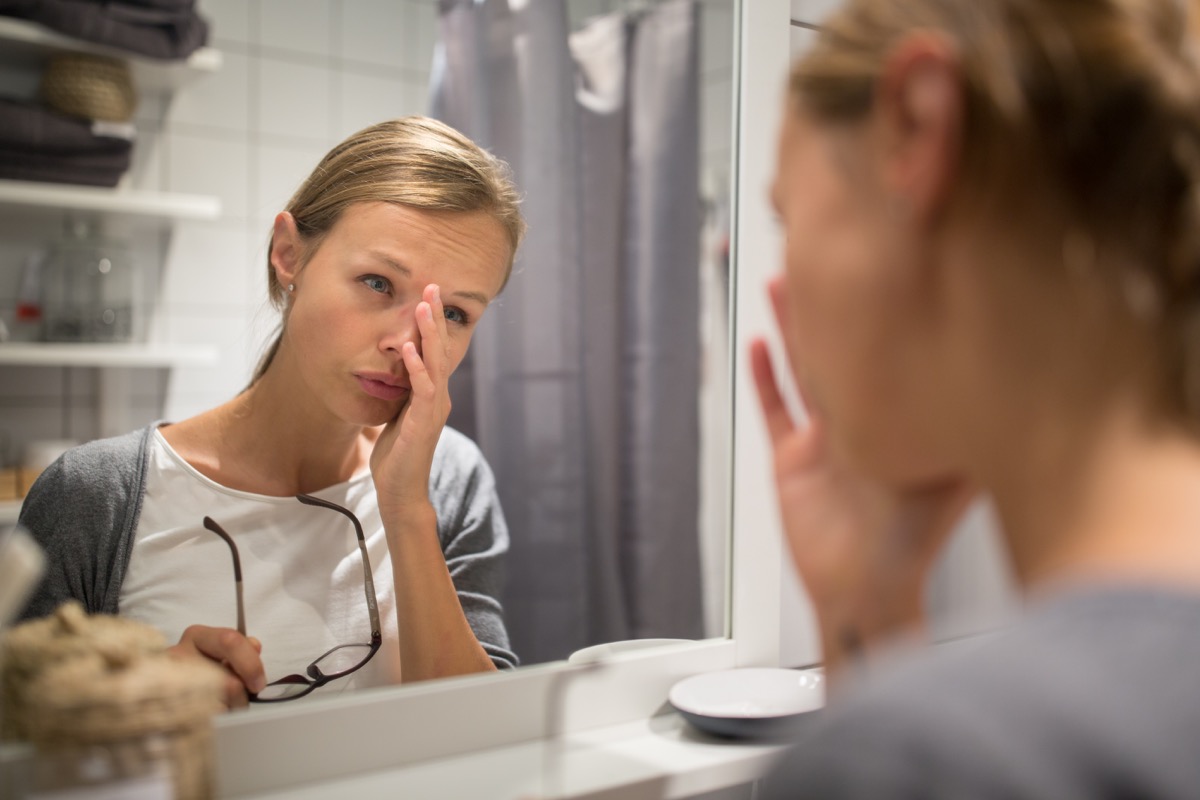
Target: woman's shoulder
{"x":1092,"y":647}
{"x":81,"y":510}
{"x":103,"y":463}
{"x":87,"y":479}
{"x":456,"y":444}
{"x":460,"y":481}
{"x":109,"y":453}
{"x":1087,"y":683}
{"x":458,"y":457}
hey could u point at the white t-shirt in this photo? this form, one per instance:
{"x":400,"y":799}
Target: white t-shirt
{"x":302,"y":574}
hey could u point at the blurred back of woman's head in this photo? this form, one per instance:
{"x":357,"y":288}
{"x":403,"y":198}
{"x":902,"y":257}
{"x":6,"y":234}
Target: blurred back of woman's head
{"x":1086,"y":112}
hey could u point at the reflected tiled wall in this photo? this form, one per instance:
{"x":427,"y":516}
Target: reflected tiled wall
{"x":297,"y":77}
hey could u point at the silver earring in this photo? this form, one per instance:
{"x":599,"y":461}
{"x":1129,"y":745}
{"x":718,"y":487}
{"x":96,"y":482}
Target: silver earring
{"x":291,"y":287}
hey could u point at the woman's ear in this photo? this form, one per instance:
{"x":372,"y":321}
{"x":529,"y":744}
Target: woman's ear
{"x":286,"y":248}
{"x":920,"y":114}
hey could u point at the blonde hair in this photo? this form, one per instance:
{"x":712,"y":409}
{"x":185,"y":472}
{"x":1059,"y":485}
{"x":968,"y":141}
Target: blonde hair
{"x":411,"y":161}
{"x":1087,"y":107}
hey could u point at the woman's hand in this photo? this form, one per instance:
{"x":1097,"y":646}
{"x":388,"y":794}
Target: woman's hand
{"x":238,"y":654}
{"x":862,"y":549}
{"x":436,"y":640}
{"x":403,"y":454}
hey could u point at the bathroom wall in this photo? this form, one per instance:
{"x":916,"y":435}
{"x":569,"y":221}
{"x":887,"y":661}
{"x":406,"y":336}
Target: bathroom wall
{"x":297,"y":76}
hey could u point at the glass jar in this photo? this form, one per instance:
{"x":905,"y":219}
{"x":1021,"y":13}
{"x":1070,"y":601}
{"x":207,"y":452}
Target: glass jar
{"x":90,"y":288}
{"x":131,"y":768}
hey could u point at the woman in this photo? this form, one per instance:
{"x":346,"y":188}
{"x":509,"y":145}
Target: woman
{"x":382,"y":265}
{"x":992,"y":285}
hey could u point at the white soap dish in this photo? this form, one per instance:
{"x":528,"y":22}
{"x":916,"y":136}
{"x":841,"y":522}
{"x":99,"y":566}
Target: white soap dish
{"x":751,"y":702}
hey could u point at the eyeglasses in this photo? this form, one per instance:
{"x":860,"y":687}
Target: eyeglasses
{"x":336,"y":663}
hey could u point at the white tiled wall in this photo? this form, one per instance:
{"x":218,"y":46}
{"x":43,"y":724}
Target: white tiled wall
{"x":297,"y":77}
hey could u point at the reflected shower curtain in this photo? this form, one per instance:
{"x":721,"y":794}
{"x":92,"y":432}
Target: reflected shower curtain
{"x":582,"y":382}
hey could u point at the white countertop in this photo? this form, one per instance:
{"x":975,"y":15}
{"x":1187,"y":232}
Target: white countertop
{"x":655,"y":759}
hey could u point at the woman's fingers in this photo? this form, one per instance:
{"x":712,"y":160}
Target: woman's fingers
{"x":235,"y":652}
{"x":427,"y":366}
{"x":434,"y":292}
{"x":231,"y":649}
{"x":777,"y":289}
{"x":431,"y":322}
{"x":418,"y":374}
{"x":779,"y":420}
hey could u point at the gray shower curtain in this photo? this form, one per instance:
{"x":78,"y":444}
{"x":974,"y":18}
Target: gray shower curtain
{"x":582,"y":383}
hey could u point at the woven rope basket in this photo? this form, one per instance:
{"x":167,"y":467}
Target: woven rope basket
{"x":87,"y":684}
{"x":35,"y":646}
{"x":94,"y":87}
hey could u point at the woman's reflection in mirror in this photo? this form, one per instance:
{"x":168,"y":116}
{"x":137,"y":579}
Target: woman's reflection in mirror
{"x":992,"y":285}
{"x":381,"y":265}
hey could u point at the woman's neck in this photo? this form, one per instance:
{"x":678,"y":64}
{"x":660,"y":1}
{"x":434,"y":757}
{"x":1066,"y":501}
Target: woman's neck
{"x":1056,"y":412}
{"x":272,"y":439}
{"x":1115,"y":501}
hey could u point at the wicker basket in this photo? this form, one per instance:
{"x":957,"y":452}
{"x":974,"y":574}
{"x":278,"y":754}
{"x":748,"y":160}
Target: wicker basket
{"x":149,"y":717}
{"x":94,"y":87}
{"x":35,"y":646}
{"x":101,"y":692}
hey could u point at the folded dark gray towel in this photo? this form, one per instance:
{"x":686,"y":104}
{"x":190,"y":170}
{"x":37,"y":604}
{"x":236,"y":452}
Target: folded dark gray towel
{"x":30,"y":127}
{"x":161,"y":31}
{"x":38,"y":144}
{"x":165,"y":5}
{"x":98,"y":162}
{"x":60,"y":173}
{"x":105,"y":180}
{"x":147,"y":13}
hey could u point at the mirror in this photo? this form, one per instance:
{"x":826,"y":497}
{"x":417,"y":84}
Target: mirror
{"x":600,"y":390}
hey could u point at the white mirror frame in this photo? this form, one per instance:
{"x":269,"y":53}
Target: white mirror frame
{"x":321,"y":740}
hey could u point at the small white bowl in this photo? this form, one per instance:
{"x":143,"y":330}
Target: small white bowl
{"x":750,"y":702}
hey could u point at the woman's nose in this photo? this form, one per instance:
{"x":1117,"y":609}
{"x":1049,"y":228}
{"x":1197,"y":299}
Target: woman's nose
{"x":400,"y":328}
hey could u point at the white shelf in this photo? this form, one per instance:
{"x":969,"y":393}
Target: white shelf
{"x":106,"y":355}
{"x":111,"y":202}
{"x":9,"y":510}
{"x":27,"y":43}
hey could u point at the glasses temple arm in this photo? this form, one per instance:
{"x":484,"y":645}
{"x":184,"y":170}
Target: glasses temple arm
{"x":368,"y":580}
{"x":237,"y":571}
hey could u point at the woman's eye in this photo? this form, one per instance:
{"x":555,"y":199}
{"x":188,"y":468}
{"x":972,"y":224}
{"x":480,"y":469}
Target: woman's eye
{"x":377,"y":284}
{"x":457,"y":315}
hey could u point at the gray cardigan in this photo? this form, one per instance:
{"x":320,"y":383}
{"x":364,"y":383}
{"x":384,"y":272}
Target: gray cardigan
{"x":84,"y":509}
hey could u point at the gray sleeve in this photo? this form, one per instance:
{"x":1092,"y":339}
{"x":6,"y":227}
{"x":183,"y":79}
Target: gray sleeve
{"x":862,"y":759}
{"x":474,"y":538}
{"x":82,"y":511}
{"x":917,"y":736}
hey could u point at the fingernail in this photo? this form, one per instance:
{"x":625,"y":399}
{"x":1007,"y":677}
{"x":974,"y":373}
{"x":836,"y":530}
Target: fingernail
{"x":437,"y":293}
{"x":258,"y":684}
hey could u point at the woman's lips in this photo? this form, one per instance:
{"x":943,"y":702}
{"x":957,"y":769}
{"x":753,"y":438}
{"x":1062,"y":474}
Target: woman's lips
{"x":382,"y":389}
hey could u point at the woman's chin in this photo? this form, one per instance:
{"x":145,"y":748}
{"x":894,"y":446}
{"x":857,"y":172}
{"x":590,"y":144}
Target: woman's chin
{"x":370,"y":413}
{"x":378,"y":415}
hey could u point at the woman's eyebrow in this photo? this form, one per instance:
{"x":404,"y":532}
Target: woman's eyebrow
{"x":464,"y":294}
{"x":391,"y":262}
{"x":478,"y":297}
